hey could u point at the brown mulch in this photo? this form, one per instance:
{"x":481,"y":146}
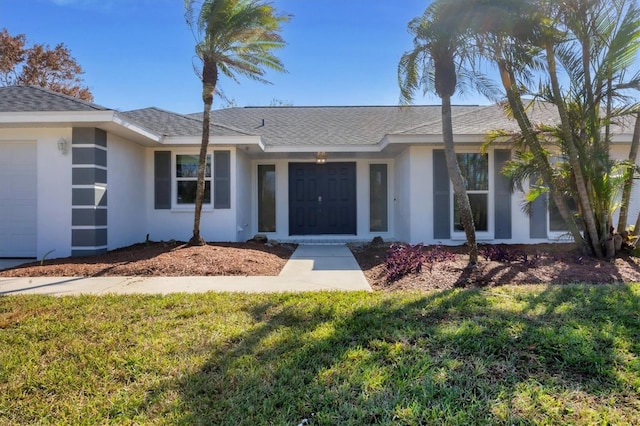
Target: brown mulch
{"x":167,"y":259}
{"x":546,"y":264}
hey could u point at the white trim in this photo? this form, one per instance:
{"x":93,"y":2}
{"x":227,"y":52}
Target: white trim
{"x":216,"y":141}
{"x":89,"y":166}
{"x":88,"y":146}
{"x":188,"y":207}
{"x":83,"y":248}
{"x":90,"y":227}
{"x":323,"y":148}
{"x":255,"y":194}
{"x":389,"y":197}
{"x":490,"y":232}
{"x":63,"y":117}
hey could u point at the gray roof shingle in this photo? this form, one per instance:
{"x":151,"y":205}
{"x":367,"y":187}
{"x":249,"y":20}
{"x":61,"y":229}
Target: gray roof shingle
{"x":174,"y":124}
{"x":297,"y":126}
{"x":32,"y":98}
{"x":339,"y":125}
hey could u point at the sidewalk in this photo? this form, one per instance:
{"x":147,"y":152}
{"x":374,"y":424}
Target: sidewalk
{"x":310,"y":268}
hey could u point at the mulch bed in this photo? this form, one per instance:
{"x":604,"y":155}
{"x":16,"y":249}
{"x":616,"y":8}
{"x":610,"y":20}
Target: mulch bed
{"x":546,"y":264}
{"x":167,"y":259}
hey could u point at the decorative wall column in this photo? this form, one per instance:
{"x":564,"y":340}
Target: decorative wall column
{"x":88,"y":192}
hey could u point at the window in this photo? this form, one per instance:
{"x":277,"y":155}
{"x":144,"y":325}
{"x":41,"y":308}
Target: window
{"x":475,"y":172}
{"x":556,"y":223}
{"x":222,"y":179}
{"x":187,"y":177}
{"x":378,"y":215}
{"x":267,"y":198}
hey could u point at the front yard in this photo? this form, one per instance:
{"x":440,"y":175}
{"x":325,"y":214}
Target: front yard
{"x":511,"y":264}
{"x":501,"y":355}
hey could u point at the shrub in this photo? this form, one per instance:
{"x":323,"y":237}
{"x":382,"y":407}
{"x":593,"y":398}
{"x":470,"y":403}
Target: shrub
{"x":506,"y":254}
{"x":404,"y":259}
{"x":438,"y":254}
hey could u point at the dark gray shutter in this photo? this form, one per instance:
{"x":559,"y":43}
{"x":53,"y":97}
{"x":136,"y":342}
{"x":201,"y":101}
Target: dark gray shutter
{"x":441,"y":197}
{"x":222,"y":179}
{"x":162,"y":179}
{"x":538,"y":217}
{"x":502,"y":196}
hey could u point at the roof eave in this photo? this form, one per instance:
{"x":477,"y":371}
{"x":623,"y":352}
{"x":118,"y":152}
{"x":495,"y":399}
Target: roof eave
{"x":240,"y":140}
{"x":109,"y":120}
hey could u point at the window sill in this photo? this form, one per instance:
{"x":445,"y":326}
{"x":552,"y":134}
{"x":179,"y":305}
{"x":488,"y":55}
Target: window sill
{"x":190,"y":209}
{"x":559,"y":236}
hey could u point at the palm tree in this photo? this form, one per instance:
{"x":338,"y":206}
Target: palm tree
{"x":592,"y":43}
{"x":432,"y":64}
{"x":233,"y":37}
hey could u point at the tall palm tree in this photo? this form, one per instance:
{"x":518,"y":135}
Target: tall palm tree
{"x":234,"y":37}
{"x":433,"y":65}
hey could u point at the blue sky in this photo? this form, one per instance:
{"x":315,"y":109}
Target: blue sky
{"x":139,"y":53}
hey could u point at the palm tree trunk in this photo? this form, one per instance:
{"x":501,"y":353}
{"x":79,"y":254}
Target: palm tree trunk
{"x":513,"y":97}
{"x":459,"y":188}
{"x":628,"y":184}
{"x":574,"y":160}
{"x":209,"y":80}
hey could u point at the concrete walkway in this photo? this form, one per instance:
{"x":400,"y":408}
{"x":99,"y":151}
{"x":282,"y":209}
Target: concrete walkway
{"x":310,"y":268}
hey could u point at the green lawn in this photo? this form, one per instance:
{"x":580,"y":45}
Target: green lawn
{"x":509,"y":355}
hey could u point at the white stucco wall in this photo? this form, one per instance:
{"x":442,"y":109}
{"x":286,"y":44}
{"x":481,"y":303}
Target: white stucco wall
{"x":126,"y":216}
{"x":177,"y":223}
{"x":54,"y":187}
{"x":421,"y":194}
{"x":402,"y":195}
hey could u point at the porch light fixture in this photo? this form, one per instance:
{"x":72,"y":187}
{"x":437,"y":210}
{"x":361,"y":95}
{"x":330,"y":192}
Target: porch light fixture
{"x":321,"y":157}
{"x":63,"y":145}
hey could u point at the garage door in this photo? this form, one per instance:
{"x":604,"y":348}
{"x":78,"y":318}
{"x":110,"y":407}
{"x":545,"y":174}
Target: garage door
{"x":18,"y":192}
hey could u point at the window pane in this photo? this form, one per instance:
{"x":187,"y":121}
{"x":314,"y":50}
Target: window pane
{"x":378,"y":215}
{"x":267,"y":198}
{"x":556,"y":223}
{"x":187,"y":166}
{"x":475,"y":171}
{"x":480,"y":210}
{"x":187,"y":192}
{"x":222,"y":180}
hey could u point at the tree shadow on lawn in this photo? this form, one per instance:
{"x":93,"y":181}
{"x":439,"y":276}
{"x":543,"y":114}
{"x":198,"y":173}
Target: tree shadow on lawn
{"x":543,"y":271}
{"x":457,"y":356}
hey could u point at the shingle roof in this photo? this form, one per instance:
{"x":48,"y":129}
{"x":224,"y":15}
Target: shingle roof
{"x":174,"y":124}
{"x":481,"y":120}
{"x":359,"y":125}
{"x":32,"y":98}
{"x":296,"y":126}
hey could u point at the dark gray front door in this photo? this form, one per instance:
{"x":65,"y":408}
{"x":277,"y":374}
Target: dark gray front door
{"x":322,"y":198}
